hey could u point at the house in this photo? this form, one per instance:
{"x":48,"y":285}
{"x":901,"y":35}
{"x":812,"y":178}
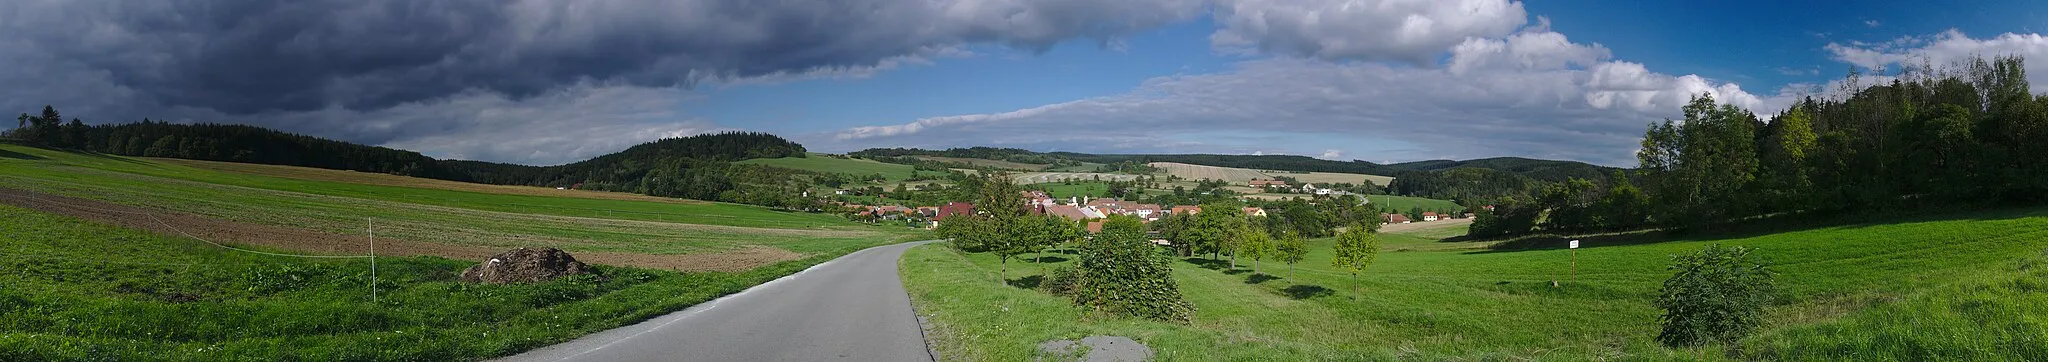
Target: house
{"x":928,"y":211}
{"x":1186,"y":210}
{"x":1267,"y":183}
{"x":1397,"y":219}
{"x":954,"y":209}
{"x":1429,"y":216}
{"x":1253,"y":211}
{"x":1148,"y":212}
{"x":1095,"y":227}
{"x":1070,"y":212}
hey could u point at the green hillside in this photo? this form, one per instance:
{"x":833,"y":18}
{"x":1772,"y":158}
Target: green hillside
{"x":78,"y":287}
{"x":822,"y":163}
{"x":1951,"y":287}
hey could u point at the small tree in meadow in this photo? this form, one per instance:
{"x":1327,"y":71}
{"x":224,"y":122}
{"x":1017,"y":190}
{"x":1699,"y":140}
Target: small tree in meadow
{"x":1715,"y":294}
{"x":1256,"y":245}
{"x":1290,"y":249}
{"x":1356,"y":248}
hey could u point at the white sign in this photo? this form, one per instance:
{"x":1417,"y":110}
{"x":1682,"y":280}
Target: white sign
{"x":1575,"y":244}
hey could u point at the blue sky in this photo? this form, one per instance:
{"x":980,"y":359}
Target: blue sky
{"x":555,"y":81}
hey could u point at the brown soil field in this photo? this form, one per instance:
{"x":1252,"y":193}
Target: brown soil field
{"x":1200,"y":172}
{"x":326,"y":243}
{"x":1336,"y":177}
{"x":318,"y":174}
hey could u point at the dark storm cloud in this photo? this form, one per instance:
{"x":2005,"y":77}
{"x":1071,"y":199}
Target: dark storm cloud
{"x":243,"y":56}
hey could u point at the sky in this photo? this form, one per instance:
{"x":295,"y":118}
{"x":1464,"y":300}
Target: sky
{"x":547,"y":82}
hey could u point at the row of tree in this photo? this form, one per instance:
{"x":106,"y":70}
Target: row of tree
{"x":1967,"y":134}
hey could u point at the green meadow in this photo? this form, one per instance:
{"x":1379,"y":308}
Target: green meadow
{"x":1950,"y":287}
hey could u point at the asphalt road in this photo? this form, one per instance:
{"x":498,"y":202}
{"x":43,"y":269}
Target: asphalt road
{"x":852,"y":308}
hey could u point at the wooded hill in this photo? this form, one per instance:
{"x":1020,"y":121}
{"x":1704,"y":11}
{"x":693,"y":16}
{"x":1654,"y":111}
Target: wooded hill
{"x":697,"y":167}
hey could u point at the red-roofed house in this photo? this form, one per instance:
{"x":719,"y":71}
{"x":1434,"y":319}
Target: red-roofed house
{"x":1429,"y":216}
{"x":1397,"y":219}
{"x":1253,"y":211}
{"x":1095,"y":227}
{"x":955,"y":208}
{"x":1070,"y":212}
{"x":1187,"y":210}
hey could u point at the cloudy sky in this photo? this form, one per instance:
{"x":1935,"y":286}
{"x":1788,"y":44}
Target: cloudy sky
{"x":553,"y":81}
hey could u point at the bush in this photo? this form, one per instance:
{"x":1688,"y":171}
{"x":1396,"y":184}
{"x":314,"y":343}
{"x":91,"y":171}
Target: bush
{"x":1123,"y":274}
{"x":1060,"y":281}
{"x":1716,"y":294}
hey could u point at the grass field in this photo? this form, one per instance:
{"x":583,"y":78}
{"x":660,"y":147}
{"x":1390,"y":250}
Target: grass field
{"x":91,"y":268}
{"x":1337,"y":177}
{"x":1404,"y":203}
{"x":1200,"y":172}
{"x":1087,"y":189}
{"x":858,"y":167}
{"x":983,"y":162}
{"x":1949,"y":287}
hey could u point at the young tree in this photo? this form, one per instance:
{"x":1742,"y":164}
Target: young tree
{"x":1715,"y":294}
{"x":1356,"y":248}
{"x":1256,"y":245}
{"x":1290,"y":249}
{"x":1214,"y":227}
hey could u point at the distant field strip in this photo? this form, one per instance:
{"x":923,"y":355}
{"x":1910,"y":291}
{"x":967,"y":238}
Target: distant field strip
{"x":367,"y":178}
{"x":1046,"y":177}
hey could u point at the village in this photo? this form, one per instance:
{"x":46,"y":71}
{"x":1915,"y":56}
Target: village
{"x":1091,"y":211}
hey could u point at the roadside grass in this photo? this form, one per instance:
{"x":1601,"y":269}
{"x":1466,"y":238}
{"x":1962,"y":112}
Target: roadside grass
{"x":76,"y":290}
{"x":852,"y":166}
{"x":1902,"y":289}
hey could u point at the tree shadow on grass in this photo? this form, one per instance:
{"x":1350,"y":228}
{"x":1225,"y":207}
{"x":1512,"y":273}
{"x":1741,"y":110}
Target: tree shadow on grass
{"x":1259,"y":278}
{"x":1206,"y":263}
{"x":1029,"y":282}
{"x":1304,"y":291}
{"x":20,"y":156}
{"x":1048,"y":259}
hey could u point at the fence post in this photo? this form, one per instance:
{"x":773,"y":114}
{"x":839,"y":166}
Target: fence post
{"x":373,"y":260}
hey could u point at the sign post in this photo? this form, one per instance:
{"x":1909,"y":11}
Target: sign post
{"x":1575,"y":260}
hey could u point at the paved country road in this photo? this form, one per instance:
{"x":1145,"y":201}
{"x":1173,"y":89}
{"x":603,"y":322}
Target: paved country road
{"x":852,"y":308}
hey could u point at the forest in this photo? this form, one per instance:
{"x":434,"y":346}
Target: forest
{"x":1963,"y":135}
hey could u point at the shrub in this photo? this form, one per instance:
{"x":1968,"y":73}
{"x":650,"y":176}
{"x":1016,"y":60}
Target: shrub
{"x":1123,"y":274}
{"x":1716,"y":294}
{"x":1060,"y":281}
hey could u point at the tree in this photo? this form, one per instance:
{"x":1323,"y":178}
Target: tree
{"x":1001,"y":227}
{"x":1700,"y":166}
{"x":1257,"y":245}
{"x":1290,"y":249}
{"x":1121,"y":273}
{"x":1715,"y":294}
{"x":1356,"y":248}
{"x":1214,"y":228}
{"x":1624,"y":206}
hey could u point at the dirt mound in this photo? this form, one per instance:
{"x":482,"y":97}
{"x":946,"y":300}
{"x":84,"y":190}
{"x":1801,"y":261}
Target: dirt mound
{"x":525,"y":265}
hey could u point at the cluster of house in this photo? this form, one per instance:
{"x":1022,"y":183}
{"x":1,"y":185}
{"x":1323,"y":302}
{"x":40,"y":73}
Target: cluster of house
{"x":1087,"y":209}
{"x":1397,"y":218}
{"x":1304,"y":188}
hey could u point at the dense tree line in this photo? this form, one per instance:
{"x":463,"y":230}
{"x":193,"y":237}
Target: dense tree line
{"x":696,"y":167}
{"x":1969,"y":134}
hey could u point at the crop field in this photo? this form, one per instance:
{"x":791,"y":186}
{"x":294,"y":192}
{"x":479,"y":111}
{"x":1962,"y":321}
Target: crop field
{"x":1088,"y":189}
{"x":983,"y":162}
{"x":1200,"y":172}
{"x":1336,"y":177}
{"x":858,"y":167}
{"x":1047,"y":177}
{"x":1948,"y":287}
{"x":367,"y":178}
{"x":130,"y":255}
